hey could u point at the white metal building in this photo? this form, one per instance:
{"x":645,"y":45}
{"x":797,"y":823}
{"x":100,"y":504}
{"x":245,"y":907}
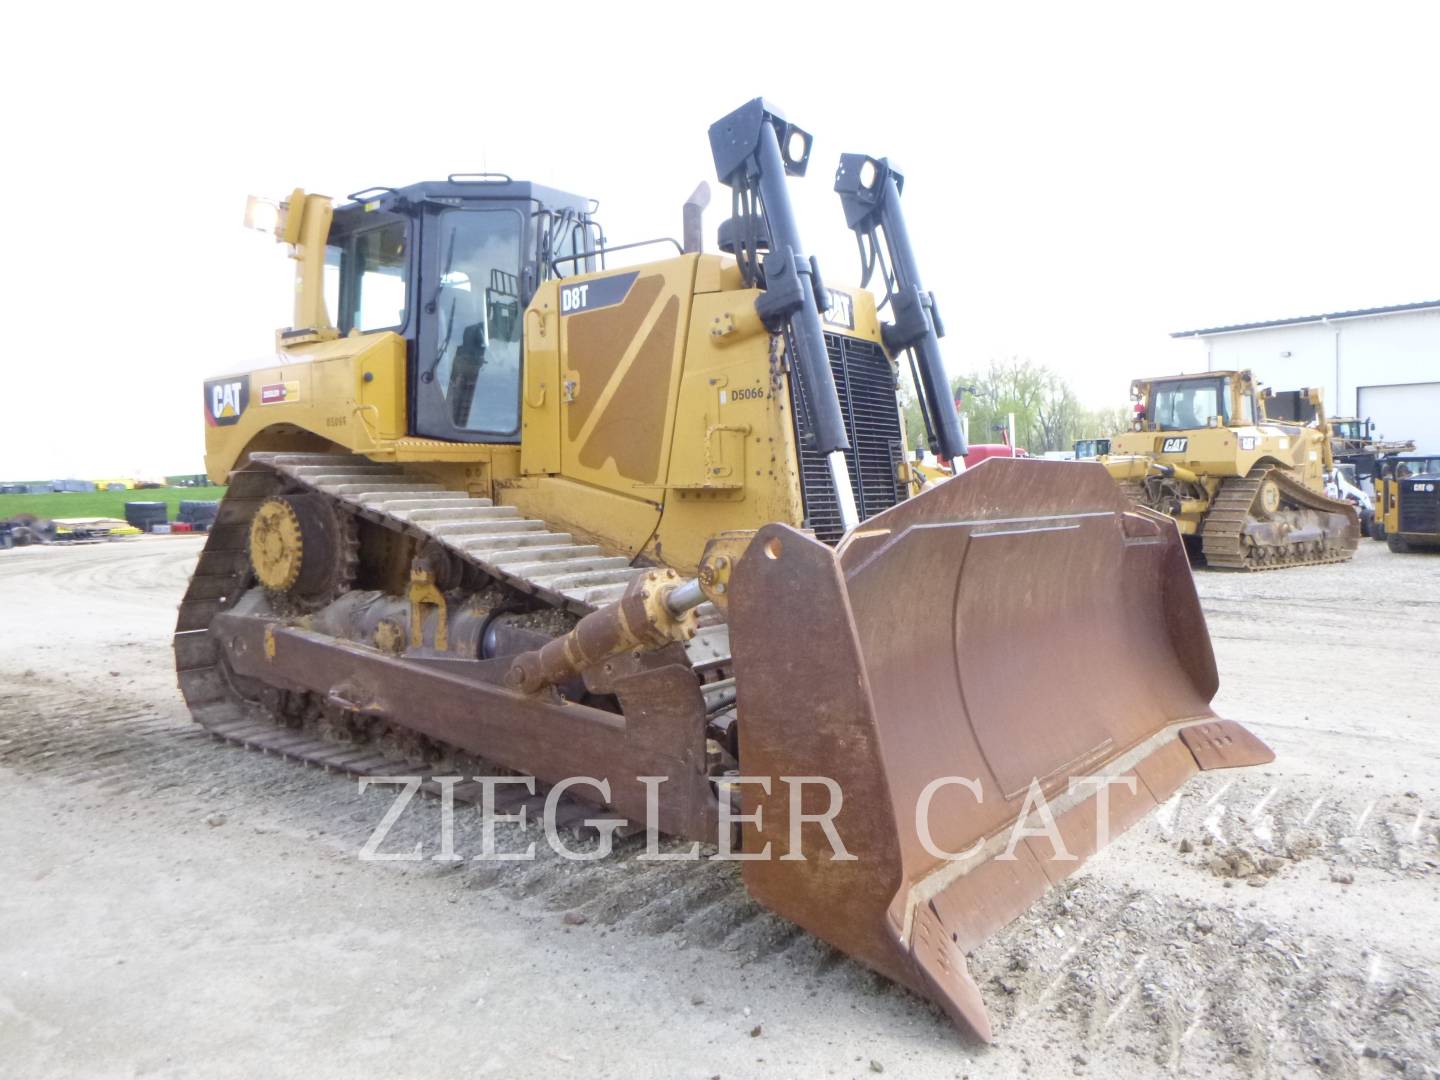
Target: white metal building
{"x":1382,"y":363}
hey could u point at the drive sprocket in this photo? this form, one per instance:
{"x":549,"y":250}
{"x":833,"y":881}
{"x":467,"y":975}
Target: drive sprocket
{"x":303,"y":549}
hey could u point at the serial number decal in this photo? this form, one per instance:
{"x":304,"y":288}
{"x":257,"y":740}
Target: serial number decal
{"x":1174,"y":445}
{"x":1247,"y":442}
{"x":335,"y":421}
{"x":841,"y":311}
{"x":593,"y":295}
{"x":744,"y":393}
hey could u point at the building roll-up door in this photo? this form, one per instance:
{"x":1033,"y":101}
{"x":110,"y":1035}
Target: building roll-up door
{"x":1405,"y":411}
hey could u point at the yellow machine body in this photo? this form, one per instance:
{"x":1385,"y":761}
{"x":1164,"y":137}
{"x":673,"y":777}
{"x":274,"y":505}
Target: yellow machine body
{"x":493,"y":503}
{"x":647,"y":426}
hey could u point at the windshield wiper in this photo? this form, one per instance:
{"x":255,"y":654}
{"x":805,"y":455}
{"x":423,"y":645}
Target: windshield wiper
{"x":434,"y":300}
{"x":449,"y":263}
{"x":444,"y":345}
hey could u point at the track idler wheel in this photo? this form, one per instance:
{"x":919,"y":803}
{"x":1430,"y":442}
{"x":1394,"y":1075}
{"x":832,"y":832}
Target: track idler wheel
{"x":299,"y":548}
{"x":1269,"y":498}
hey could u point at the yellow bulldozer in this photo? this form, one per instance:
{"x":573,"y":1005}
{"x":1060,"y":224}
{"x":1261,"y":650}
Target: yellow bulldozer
{"x":1247,"y":491}
{"x":498,"y":502}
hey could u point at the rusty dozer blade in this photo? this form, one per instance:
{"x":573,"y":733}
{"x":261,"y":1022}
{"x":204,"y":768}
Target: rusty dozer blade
{"x":1016,"y":628}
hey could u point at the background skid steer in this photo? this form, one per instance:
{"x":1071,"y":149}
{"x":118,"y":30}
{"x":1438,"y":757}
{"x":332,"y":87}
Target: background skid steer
{"x":578,"y":521}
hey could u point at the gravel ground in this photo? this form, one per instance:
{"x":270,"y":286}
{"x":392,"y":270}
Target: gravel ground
{"x":173,"y":906}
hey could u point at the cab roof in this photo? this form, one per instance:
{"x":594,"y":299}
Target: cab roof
{"x":1192,"y":375}
{"x":456,"y":189}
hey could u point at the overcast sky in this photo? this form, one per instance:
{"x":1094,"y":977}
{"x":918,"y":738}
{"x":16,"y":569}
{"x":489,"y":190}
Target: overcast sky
{"x":1081,"y":179}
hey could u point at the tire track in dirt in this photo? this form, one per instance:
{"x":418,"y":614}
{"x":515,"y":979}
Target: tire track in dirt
{"x":126,"y":749}
{"x":1133,"y":976}
{"x":1180,"y":986}
{"x":118,"y":567}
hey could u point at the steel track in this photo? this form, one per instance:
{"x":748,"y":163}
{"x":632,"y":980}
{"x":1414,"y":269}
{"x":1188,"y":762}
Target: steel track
{"x":523,"y":554}
{"x":1221,"y":533}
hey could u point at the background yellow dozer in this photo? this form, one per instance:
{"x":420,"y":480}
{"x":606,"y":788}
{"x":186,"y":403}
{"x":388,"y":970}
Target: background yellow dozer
{"x":1249,"y":490}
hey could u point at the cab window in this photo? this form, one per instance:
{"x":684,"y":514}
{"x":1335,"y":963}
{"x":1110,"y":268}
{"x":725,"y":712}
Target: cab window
{"x":1247,"y":408}
{"x":379,"y":273}
{"x":572,"y":257}
{"x":479,"y":319}
{"x":1189,"y":403}
{"x":331,"y":282}
{"x":1417,"y":467}
{"x":366,"y":278}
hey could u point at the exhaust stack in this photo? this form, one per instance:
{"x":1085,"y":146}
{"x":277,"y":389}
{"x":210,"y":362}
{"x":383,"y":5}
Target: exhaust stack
{"x":692,"y":229}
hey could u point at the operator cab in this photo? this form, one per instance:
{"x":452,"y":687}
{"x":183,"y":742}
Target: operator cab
{"x":450,"y":266}
{"x":1405,"y":468}
{"x":1217,"y":399}
{"x":1350,"y":429}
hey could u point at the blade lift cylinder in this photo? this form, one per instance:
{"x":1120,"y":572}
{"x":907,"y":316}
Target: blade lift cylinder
{"x":869,"y":190}
{"x":755,"y":148}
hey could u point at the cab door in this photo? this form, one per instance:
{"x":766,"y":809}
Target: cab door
{"x":1387,"y":510}
{"x":469,"y":356}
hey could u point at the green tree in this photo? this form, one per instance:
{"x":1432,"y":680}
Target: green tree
{"x":1102,"y":423}
{"x":914,"y":420}
{"x":1048,"y":415}
{"x":1045,"y":408}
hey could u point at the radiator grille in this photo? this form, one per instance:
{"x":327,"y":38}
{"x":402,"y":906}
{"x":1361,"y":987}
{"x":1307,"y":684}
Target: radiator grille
{"x":1420,"y":509}
{"x":866,"y":384}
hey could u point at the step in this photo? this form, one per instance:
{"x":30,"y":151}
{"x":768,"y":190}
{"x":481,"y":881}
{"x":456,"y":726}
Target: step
{"x":328,"y":477}
{"x":308,"y":472}
{"x":448,"y":516}
{"x":710,"y":644}
{"x":508,"y":541}
{"x":718,"y":691}
{"x":361,"y":492}
{"x":574,"y":579}
{"x":372,"y":497}
{"x":537,"y":570}
{"x":403,"y":506}
{"x":596,"y":595}
{"x":514,"y":562}
{"x":310,"y":459}
{"x":458,"y":532}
